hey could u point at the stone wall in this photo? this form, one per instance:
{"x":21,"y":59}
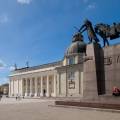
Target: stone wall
{"x":112,"y":67}
{"x":102,"y":70}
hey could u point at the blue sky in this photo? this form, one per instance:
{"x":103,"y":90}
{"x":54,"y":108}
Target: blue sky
{"x":39,"y":31}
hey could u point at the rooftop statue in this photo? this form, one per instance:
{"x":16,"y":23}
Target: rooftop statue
{"x":87,"y":26}
{"x":77,"y":37}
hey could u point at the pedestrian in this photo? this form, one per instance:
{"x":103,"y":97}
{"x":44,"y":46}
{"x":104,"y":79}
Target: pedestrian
{"x":16,"y":97}
{"x":0,"y":97}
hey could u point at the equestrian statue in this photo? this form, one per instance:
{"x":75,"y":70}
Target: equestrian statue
{"x":87,"y":26}
{"x":108,"y":32}
{"x":105,"y":31}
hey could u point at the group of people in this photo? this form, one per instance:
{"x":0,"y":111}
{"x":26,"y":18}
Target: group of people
{"x":19,"y":97}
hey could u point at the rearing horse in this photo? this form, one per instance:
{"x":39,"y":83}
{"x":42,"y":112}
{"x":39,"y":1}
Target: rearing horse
{"x":103,"y":30}
{"x":106,"y":31}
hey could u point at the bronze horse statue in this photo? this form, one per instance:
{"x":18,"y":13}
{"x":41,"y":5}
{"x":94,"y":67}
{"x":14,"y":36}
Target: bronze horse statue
{"x":87,"y":26}
{"x":107,"y":32}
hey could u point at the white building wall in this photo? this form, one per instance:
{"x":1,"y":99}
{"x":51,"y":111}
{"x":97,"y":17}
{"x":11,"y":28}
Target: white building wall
{"x":74,"y":91}
{"x":62,"y":88}
{"x":63,"y":85}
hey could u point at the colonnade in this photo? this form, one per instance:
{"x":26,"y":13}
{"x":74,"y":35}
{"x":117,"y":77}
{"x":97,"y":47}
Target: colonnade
{"x":39,"y":86}
{"x":34,"y":86}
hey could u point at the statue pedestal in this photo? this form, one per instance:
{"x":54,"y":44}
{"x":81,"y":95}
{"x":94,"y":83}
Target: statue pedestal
{"x":92,"y":71}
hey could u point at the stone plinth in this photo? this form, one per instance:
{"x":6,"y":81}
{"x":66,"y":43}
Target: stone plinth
{"x":93,"y":71}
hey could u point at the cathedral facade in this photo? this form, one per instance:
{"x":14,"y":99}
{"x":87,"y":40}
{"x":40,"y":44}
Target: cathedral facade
{"x":58,"y":79}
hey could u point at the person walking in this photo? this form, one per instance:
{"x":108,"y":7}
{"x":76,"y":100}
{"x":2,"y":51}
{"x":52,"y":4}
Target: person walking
{"x":0,"y":97}
{"x":16,"y":97}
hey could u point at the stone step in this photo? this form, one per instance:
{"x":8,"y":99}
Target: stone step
{"x":89,"y":104}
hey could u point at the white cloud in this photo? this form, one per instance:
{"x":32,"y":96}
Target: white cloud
{"x":2,"y":64}
{"x":24,"y":1}
{"x":5,"y":67}
{"x":91,"y":6}
{"x":11,"y":68}
{"x":3,"y":18}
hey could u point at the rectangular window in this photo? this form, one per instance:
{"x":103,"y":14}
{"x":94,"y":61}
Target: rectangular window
{"x":71,"y":80}
{"x":71,"y":60}
{"x":71,"y":76}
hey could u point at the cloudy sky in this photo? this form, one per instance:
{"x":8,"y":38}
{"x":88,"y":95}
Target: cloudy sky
{"x":39,"y":31}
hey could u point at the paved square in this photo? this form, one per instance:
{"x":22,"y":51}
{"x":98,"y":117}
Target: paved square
{"x":38,"y":109}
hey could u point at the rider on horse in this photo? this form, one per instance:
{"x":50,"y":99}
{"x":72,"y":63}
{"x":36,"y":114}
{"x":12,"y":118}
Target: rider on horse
{"x":91,"y":33}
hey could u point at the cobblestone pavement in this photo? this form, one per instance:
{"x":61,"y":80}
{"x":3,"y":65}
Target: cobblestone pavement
{"x":37,"y":109}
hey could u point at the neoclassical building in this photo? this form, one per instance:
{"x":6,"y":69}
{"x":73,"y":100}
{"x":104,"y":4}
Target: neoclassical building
{"x":87,"y":70}
{"x":58,"y":79}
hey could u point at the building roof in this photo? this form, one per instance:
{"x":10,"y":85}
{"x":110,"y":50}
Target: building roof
{"x":25,"y":69}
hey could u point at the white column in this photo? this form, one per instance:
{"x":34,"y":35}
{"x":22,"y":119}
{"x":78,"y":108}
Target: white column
{"x":10,"y":88}
{"x":48,"y":92}
{"x":55,"y":89}
{"x":41,"y":93}
{"x":22,"y":87}
{"x":13,"y":88}
{"x":26,"y":89}
{"x":31,"y":87}
{"x":36,"y":87}
{"x":18,"y":87}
